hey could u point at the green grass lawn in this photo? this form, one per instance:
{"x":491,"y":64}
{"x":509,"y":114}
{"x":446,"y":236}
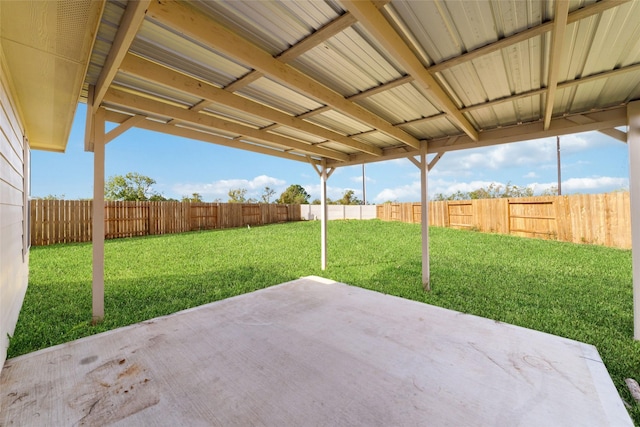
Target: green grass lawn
{"x":576,"y":291}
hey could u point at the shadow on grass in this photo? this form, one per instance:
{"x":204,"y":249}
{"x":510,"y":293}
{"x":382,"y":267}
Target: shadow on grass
{"x":128,"y":301}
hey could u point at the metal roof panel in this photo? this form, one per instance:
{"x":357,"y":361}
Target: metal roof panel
{"x":400,"y":104}
{"x":274,"y":26}
{"x":275,"y":95}
{"x":335,"y":120}
{"x":347,"y":63}
{"x":165,"y":47}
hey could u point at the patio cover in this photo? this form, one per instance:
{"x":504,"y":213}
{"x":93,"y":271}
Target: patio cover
{"x":336,"y":83}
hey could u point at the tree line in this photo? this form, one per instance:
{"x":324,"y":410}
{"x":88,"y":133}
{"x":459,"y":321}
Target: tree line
{"x":136,"y":187}
{"x":495,"y":191}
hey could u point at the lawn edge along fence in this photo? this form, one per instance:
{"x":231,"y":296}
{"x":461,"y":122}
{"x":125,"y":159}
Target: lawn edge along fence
{"x":602,"y":219}
{"x":69,"y":221}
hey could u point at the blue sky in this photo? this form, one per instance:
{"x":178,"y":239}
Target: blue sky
{"x":591,"y":163}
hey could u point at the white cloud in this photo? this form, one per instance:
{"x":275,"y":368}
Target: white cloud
{"x":404,"y":193}
{"x":530,"y":175}
{"x":539,"y":188}
{"x":600,"y":183}
{"x":539,"y":153}
{"x":570,"y":144}
{"x":411,"y":192}
{"x":220,"y":189}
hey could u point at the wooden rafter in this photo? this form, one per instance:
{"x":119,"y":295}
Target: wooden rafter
{"x":184,"y":132}
{"x":312,"y":40}
{"x":209,"y":93}
{"x":596,"y":121}
{"x":376,"y":24}
{"x":585,"y":12}
{"x":181,"y":17}
{"x":381,"y":88}
{"x":555,"y":56}
{"x":130,"y":24}
{"x":145,"y":105}
{"x":131,"y":21}
{"x":423,"y":119}
{"x":89,"y":125}
{"x":315,"y":112}
{"x":562,"y":85}
{"x":321,"y":35}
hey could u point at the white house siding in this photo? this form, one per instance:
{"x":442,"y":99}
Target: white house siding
{"x":14,"y":254}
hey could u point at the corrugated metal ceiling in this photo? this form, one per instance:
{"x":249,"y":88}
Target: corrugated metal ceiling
{"x":328,"y":67}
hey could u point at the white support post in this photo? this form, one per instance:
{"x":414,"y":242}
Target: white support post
{"x":323,"y":216}
{"x":424,"y":219}
{"x":424,"y":213}
{"x":633,"y":141}
{"x":98,"y":217}
{"x":324,"y":174}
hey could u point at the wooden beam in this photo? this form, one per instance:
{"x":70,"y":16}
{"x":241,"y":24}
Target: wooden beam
{"x":598,"y":76}
{"x":381,"y":88}
{"x":142,"y":105}
{"x":607,"y":119}
{"x":438,"y":156}
{"x":122,"y":128}
{"x":183,"y":18}
{"x":198,"y":135}
{"x":582,"y":119}
{"x":89,"y":127}
{"x":615,"y":134}
{"x":218,"y":140}
{"x":312,"y":40}
{"x":244,"y":81}
{"x":170,"y":78}
{"x":559,"y":126}
{"x":376,"y":24}
{"x":585,"y":12}
{"x":414,"y":161}
{"x":315,"y":112}
{"x":129,"y":25}
{"x":555,"y":56}
{"x":562,"y":85}
{"x":423,"y":119}
{"x":436,"y":159}
{"x":321,"y":35}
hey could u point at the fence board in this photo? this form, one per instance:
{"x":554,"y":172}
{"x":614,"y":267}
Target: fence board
{"x":65,"y":221}
{"x":603,"y":219}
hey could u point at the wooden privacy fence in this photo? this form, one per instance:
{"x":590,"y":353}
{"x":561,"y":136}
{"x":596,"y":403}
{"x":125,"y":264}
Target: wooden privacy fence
{"x":68,"y":221}
{"x":603,"y":219}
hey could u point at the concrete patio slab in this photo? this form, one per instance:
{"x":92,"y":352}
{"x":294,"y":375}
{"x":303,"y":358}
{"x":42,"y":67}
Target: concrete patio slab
{"x":313,"y":352}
